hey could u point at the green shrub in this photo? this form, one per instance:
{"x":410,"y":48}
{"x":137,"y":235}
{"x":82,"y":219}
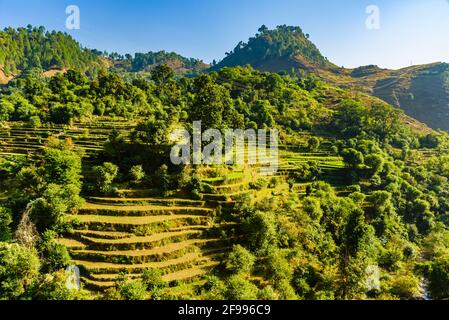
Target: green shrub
{"x":152,"y":279}
{"x":137,"y":174}
{"x":19,"y":269}
{"x":34,"y":122}
{"x":131,"y":289}
{"x":238,"y":288}
{"x":104,"y":176}
{"x":240,"y":260}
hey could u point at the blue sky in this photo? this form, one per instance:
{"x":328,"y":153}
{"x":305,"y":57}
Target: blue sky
{"x":411,"y":31}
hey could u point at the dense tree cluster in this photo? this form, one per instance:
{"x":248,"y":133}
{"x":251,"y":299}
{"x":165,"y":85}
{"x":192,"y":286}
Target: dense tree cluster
{"x":147,"y":61}
{"x":26,"y":48}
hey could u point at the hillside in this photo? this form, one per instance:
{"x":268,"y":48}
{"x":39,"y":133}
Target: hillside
{"x":26,"y":48}
{"x":29,"y":48}
{"x":282,"y":49}
{"x":421,"y":91}
{"x":356,"y":206}
{"x":356,"y":181}
{"x":143,"y":63}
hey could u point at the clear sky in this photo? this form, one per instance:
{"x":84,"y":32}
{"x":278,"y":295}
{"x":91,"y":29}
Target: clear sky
{"x":411,"y":31}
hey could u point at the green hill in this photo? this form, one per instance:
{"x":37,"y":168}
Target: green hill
{"x":357,"y":208}
{"x":421,"y":91}
{"x":275,"y":50}
{"x":22,"y":49}
{"x":145,"y":62}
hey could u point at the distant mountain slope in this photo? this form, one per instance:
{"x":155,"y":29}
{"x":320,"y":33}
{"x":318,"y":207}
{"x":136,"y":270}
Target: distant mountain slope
{"x":32,"y":47}
{"x":421,"y":91}
{"x":145,"y":62}
{"x":22,"y":49}
{"x":280,"y":49}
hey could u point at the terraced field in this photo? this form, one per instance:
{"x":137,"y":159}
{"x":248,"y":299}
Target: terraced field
{"x":18,"y":139}
{"x":178,"y":235}
{"x":114,"y":235}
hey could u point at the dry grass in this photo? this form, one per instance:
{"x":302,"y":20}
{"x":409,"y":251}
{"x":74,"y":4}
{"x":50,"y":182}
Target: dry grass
{"x":191,"y":272}
{"x":147,"y":239}
{"x":125,"y":220}
{"x":172,"y":247}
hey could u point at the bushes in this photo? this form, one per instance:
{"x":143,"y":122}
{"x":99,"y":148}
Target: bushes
{"x":152,"y":279}
{"x":104,"y":176}
{"x":19,"y":268}
{"x":406,"y":287}
{"x":438,"y":277}
{"x":260,"y":184}
{"x":238,"y":288}
{"x":213,"y":288}
{"x":53,"y":286}
{"x":240,"y":261}
{"x":128,"y":289}
{"x":5,"y":221}
{"x":137,"y":174}
{"x":55,"y":255}
{"x":306,"y":172}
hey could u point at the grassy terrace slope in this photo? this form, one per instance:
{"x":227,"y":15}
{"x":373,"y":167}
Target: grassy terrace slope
{"x":17,"y":138}
{"x":178,"y":235}
{"x":113,"y":235}
{"x":182,"y":236}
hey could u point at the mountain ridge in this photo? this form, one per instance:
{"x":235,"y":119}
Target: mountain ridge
{"x":422,"y":91}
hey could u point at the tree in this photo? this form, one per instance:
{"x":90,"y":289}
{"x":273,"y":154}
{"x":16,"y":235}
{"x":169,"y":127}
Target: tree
{"x":152,"y":279}
{"x":56,"y":256}
{"x":209,"y":104}
{"x":240,"y":261}
{"x":19,"y":269}
{"x":350,"y":118}
{"x":53,"y":286}
{"x":5,"y":221}
{"x":438,"y":277}
{"x":356,"y":253}
{"x":105,"y":175}
{"x":62,"y":166}
{"x":162,"y":74}
{"x":278,"y":268}
{"x":375,"y":162}
{"x":137,"y":174}
{"x":259,"y":229}
{"x":238,"y":288}
{"x":163,"y":178}
{"x":263,"y":29}
{"x":6,"y":109}
{"x":313,"y":143}
{"x":312,"y":207}
{"x":130,"y":289}
{"x":151,"y":131}
{"x":352,"y":157}
{"x":56,"y":200}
